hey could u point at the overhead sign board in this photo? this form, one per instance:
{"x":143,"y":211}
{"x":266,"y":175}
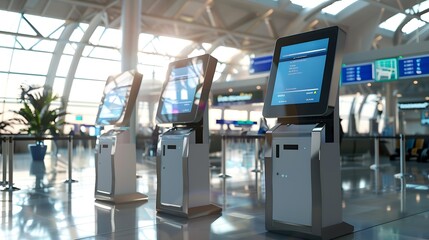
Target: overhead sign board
{"x":260,"y":64}
{"x":238,"y":98}
{"x":357,"y":73}
{"x":386,"y":69}
{"x":413,"y":66}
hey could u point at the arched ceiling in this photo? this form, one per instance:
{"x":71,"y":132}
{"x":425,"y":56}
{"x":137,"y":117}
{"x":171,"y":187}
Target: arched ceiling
{"x":250,"y":25}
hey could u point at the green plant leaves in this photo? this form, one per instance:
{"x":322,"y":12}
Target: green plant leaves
{"x":37,"y":114}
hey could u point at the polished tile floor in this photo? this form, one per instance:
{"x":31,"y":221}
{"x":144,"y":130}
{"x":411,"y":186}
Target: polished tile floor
{"x":378,"y":205}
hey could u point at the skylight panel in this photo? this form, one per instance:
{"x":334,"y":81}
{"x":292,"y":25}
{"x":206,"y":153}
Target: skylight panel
{"x":337,"y":7}
{"x":225,"y":54}
{"x":412,"y":25}
{"x":46,"y":26}
{"x":307,"y":3}
{"x":197,"y":52}
{"x":425,"y":17}
{"x":393,"y":22}
{"x":10,"y":21}
{"x":418,"y":7}
{"x":173,"y":46}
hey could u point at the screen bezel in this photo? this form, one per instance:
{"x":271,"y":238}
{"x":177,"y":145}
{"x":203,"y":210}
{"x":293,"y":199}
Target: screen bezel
{"x":320,"y":108}
{"x":201,"y":102}
{"x":124,"y":118}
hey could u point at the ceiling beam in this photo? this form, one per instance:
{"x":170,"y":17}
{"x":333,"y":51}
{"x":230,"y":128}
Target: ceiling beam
{"x":242,"y":21}
{"x":156,"y":19}
{"x":257,"y":20}
{"x":300,"y":22}
{"x":83,"y":3}
{"x":174,"y":8}
{"x":45,"y":8}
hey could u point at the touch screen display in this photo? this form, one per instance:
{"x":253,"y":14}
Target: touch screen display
{"x":184,"y":94}
{"x":180,"y":90}
{"x":118,"y":100}
{"x":300,"y":73}
{"x":114,"y":104}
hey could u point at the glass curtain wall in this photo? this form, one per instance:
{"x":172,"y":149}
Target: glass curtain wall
{"x":27,"y":47}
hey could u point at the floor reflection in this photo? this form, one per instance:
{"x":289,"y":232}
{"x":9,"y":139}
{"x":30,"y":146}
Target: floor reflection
{"x":379,"y":205}
{"x":170,"y":227}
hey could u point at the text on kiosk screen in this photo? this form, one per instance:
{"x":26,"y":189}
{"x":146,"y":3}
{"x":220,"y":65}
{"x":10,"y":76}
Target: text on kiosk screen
{"x":180,"y":91}
{"x":300,"y":73}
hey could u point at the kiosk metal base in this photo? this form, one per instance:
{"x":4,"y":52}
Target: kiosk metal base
{"x":194,"y":212}
{"x":124,"y":198}
{"x":307,"y":232}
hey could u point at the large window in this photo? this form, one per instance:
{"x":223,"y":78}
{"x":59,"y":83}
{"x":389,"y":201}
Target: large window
{"x":27,"y":45}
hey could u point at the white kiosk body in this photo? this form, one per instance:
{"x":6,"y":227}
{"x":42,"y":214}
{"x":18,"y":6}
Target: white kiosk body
{"x":303,"y":175}
{"x":115,"y":155}
{"x":184,"y":171}
{"x":183,"y":151}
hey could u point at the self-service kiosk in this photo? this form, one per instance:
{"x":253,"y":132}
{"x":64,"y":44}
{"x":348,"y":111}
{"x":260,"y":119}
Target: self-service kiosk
{"x":303,"y":176}
{"x":183,"y":187}
{"x":115,"y":154}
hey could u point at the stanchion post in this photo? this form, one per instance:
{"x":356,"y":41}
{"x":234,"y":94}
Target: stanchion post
{"x":402,"y":157}
{"x":5,"y":149}
{"x":256,"y":156}
{"x":70,"y":157}
{"x":10,"y":154}
{"x":223,"y":160}
{"x":402,"y":151}
{"x":376,"y":164}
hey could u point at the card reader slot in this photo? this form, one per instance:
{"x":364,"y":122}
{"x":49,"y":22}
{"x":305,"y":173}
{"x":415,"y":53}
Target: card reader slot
{"x":277,"y":151}
{"x":163,"y":150}
{"x":290,"y":146}
{"x":171,"y":146}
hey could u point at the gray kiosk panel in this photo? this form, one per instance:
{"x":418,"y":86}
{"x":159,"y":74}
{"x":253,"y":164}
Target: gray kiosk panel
{"x":104,"y":165}
{"x":292,"y":180}
{"x":171,"y":172}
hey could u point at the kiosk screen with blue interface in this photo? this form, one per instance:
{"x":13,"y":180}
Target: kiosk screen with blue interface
{"x":300,"y":73}
{"x":184,"y":95}
{"x":180,"y":90}
{"x":119,"y":96}
{"x":305,"y":73}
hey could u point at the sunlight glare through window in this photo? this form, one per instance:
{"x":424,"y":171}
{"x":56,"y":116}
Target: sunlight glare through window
{"x":308,"y":3}
{"x":338,"y":6}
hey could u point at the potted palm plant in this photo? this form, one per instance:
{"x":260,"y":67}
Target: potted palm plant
{"x":39,"y":117}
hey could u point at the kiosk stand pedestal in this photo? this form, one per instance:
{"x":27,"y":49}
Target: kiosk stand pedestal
{"x":115,"y":168}
{"x":115,"y":154}
{"x":303,"y":179}
{"x":183,"y":151}
{"x":303,"y":175}
{"x":183,"y":170}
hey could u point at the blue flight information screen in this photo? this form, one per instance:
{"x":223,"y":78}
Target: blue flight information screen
{"x":180,"y":91}
{"x":358,"y":73}
{"x":300,"y":73}
{"x":413,"y":67}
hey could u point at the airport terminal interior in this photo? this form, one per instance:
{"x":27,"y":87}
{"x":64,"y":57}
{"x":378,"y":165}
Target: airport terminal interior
{"x":194,"y":119}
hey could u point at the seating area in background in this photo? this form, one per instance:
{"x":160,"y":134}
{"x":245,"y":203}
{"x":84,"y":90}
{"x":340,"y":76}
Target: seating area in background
{"x":416,"y":148}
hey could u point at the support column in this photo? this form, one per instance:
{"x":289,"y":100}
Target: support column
{"x":390,"y":108}
{"x":130,"y":24}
